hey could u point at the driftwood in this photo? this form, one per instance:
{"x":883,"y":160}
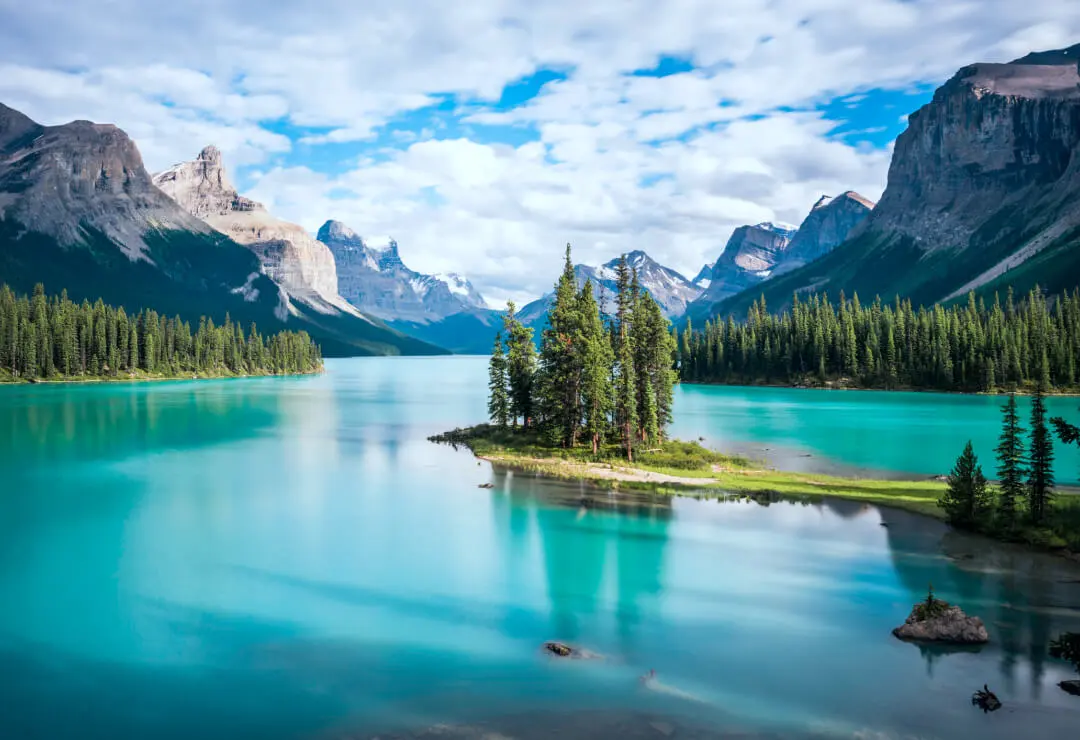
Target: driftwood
{"x":986,"y":700}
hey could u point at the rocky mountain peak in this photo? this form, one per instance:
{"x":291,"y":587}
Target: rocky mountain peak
{"x":289,"y":256}
{"x":827,"y":225}
{"x":339,"y":233}
{"x":210,"y":154}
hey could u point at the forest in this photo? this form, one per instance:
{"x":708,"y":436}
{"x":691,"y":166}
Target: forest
{"x":969,"y":347}
{"x":593,"y":382}
{"x":51,"y":337}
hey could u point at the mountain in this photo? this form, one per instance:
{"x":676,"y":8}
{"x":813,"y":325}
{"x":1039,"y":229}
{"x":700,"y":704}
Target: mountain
{"x":667,"y":287}
{"x":824,"y":229}
{"x":444,"y":309}
{"x":79,"y":212}
{"x":704,"y":276}
{"x":287,"y":254}
{"x":983,"y":191}
{"x":373,"y":278}
{"x":749,"y":257}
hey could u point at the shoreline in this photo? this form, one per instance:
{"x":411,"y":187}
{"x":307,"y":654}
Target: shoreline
{"x":792,"y":386}
{"x":10,"y":381}
{"x":703,"y":474}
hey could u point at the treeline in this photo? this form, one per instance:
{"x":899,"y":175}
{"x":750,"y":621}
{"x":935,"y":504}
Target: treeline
{"x":592,"y":382}
{"x":971,"y":347}
{"x":45,"y":337}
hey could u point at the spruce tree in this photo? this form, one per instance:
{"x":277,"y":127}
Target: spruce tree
{"x":966,"y":500}
{"x":558,"y":382}
{"x":498,"y":385}
{"x":520,"y":366}
{"x":626,"y":386}
{"x":1041,"y":460}
{"x":1010,"y":472}
{"x":597,"y":361}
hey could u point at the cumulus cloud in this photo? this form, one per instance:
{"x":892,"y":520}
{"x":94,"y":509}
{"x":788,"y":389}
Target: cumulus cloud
{"x":670,"y":164}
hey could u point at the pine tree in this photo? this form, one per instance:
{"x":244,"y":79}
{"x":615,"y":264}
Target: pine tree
{"x":558,"y":383}
{"x":966,"y":500}
{"x":520,"y":366}
{"x":626,"y":385}
{"x":597,"y":361}
{"x":1041,"y":459}
{"x":1010,"y":472}
{"x":498,"y":384}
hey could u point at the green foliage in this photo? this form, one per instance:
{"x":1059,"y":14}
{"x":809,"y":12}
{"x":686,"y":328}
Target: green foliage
{"x":1011,"y":471}
{"x":930,"y":608}
{"x":591,"y":384}
{"x":54,"y":338}
{"x":498,"y":386}
{"x":970,"y":347}
{"x":520,"y":366}
{"x":1040,"y":461}
{"x":966,"y":500}
{"x":1067,"y":647}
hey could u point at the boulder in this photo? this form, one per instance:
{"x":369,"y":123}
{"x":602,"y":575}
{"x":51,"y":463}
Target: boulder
{"x":562,"y":650}
{"x":947,"y":624}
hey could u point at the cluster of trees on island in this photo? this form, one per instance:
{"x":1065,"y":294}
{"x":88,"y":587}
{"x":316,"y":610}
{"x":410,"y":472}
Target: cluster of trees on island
{"x":44,"y":337}
{"x":965,"y":347}
{"x":594,"y":381}
{"x":1024,"y":496}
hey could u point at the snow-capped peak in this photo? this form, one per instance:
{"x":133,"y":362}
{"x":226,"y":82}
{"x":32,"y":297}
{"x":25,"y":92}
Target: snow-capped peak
{"x":456,"y":283}
{"x":778,"y":227}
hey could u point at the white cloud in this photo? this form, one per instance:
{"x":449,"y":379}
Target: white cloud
{"x":179,"y":75}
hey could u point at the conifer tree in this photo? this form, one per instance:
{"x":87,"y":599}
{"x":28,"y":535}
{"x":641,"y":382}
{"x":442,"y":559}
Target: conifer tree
{"x":626,"y":386}
{"x":1041,"y":460}
{"x":498,"y":385}
{"x":966,"y":500}
{"x":520,"y":366}
{"x":558,"y":384}
{"x":597,"y":361}
{"x":1010,"y":472}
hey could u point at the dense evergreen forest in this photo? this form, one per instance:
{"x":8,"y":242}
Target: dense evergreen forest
{"x":966,"y":347}
{"x":51,"y":337}
{"x":592,"y":382}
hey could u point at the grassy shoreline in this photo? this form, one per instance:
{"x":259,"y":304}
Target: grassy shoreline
{"x":688,"y":469}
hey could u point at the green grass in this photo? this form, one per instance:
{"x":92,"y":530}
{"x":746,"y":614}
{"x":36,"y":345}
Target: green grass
{"x":705,"y":472}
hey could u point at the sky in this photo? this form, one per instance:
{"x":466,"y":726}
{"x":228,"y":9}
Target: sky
{"x":485,"y":135}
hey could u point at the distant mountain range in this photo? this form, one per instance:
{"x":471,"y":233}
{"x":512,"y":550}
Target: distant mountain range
{"x":79,"y":211}
{"x":669,"y":288}
{"x":983,"y":192}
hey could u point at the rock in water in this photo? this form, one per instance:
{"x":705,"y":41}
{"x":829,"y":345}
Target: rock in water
{"x":1070,"y":687}
{"x":986,"y":700}
{"x":949,"y":625}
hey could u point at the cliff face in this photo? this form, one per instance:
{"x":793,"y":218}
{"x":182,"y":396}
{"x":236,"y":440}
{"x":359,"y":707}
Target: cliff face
{"x":288,"y":254}
{"x":61,"y":180}
{"x":749,"y":258}
{"x":79,"y":212}
{"x":375,"y":280}
{"x":983,"y":191}
{"x":825,"y":228}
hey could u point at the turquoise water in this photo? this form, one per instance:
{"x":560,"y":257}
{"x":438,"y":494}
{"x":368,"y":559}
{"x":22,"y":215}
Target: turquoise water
{"x":289,"y":558}
{"x":878,"y":432}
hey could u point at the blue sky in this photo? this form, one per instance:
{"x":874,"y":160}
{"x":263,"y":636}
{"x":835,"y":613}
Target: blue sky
{"x":484,"y":136}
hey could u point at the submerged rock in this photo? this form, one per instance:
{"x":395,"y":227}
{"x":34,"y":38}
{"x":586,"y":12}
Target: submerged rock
{"x":1070,"y":687}
{"x":986,"y":700}
{"x":942,"y":623}
{"x":486,"y":485}
{"x":562,"y":650}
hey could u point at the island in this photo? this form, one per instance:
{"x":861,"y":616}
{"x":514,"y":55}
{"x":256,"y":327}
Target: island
{"x":595,"y":401}
{"x":53,"y":339}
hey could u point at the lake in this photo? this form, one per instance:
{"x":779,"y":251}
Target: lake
{"x":290,"y":558}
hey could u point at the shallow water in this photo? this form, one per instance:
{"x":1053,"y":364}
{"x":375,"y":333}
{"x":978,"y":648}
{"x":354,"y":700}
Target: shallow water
{"x":289,"y":558}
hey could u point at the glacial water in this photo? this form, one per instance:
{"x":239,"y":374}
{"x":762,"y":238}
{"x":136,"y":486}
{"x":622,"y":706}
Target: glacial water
{"x":290,"y":558}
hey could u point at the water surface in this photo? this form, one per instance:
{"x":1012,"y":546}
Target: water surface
{"x":289,"y":558}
